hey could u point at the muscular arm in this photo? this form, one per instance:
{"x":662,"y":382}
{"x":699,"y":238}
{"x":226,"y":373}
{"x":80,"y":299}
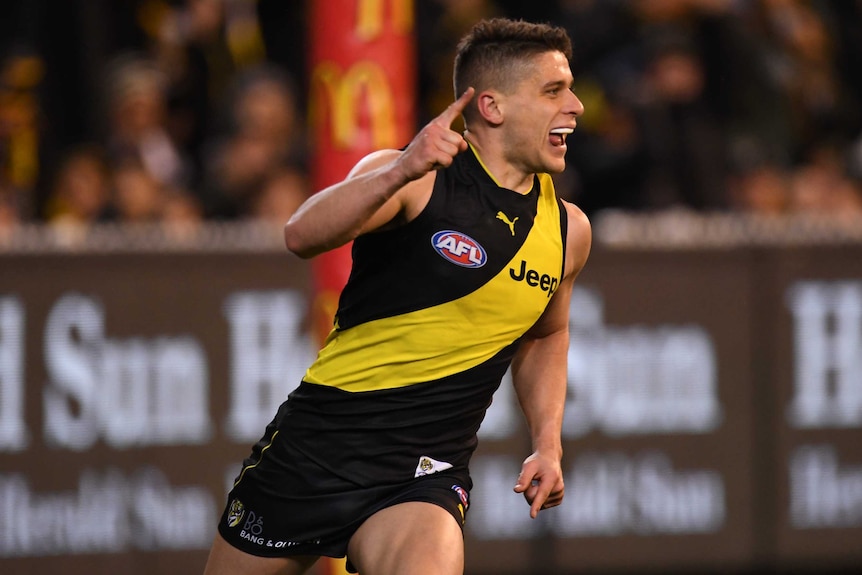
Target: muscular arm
{"x":365,"y":200}
{"x":381,"y":186}
{"x":539,"y":375}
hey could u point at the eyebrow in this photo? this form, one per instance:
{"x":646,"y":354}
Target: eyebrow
{"x":559,"y":84}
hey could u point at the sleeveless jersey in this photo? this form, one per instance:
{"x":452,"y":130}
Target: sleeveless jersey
{"x":428,"y":323}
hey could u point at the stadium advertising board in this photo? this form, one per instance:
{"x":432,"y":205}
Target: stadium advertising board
{"x":657,"y":427}
{"x":713,"y":415}
{"x":817,"y":385}
{"x":131,"y":387}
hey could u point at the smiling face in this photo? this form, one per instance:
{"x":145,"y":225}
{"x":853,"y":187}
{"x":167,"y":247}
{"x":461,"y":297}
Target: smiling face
{"x":539,"y":114}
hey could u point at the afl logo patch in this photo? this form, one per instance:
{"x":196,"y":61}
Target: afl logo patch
{"x":462,"y":494}
{"x":460,"y":249}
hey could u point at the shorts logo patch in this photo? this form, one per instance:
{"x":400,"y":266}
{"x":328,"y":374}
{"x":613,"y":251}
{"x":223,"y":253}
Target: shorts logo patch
{"x":428,"y":465}
{"x":235,"y":514}
{"x":458,"y":248}
{"x":464,"y":496}
{"x":462,"y":493}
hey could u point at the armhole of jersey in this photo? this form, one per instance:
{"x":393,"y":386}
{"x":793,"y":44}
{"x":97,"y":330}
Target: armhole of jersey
{"x":564,"y":232}
{"x":437,"y":192}
{"x":389,"y":227}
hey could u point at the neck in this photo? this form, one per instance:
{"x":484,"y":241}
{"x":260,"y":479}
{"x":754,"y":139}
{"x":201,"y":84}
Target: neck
{"x":501,"y":171}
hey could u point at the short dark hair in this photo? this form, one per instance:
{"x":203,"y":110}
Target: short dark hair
{"x":491,"y":53}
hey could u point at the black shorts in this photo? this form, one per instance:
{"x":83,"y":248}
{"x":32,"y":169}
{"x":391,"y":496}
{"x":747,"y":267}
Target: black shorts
{"x":292,"y":497}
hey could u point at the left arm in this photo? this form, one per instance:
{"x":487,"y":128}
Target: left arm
{"x":539,"y":376}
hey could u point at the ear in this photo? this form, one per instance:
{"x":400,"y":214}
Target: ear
{"x":490,"y":105}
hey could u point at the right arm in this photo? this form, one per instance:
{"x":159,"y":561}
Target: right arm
{"x":381,"y":186}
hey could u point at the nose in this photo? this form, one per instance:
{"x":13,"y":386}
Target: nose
{"x":575,"y":106}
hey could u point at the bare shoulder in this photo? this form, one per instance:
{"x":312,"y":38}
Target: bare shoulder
{"x":406,"y":203}
{"x":579,"y":239}
{"x":373,"y":161}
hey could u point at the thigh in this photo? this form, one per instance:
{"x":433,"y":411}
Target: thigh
{"x":413,"y":538}
{"x":224,"y":559}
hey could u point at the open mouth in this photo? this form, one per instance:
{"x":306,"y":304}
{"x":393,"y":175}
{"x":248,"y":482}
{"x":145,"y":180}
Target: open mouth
{"x":558,"y":136}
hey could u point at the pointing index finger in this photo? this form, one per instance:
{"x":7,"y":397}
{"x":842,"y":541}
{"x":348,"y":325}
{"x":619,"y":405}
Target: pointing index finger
{"x":455,"y":108}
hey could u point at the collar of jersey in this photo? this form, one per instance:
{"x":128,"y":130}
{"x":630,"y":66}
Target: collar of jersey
{"x":484,"y":167}
{"x":493,"y":179}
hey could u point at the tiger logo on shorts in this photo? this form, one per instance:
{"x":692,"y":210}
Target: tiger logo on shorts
{"x":428,"y":465}
{"x":234,"y":516}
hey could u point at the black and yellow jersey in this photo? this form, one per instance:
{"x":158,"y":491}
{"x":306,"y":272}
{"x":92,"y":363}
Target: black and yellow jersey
{"x":429,"y":321}
{"x":449,"y":290}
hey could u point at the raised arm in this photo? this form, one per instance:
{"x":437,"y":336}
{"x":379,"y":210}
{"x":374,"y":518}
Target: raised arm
{"x":381,"y":186}
{"x":539,"y":376}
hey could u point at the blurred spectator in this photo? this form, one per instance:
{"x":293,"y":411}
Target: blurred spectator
{"x":281,"y":195}
{"x":703,"y":104}
{"x":442,"y":24}
{"x":180,"y":206}
{"x":661,"y":82}
{"x":200,"y":45}
{"x":137,"y":197}
{"x":683,"y":138}
{"x":226,"y":32}
{"x":762,"y":190}
{"x":264,"y":131}
{"x":606,"y":153}
{"x":137,"y":129}
{"x":10,"y":217}
{"x":854,"y":159}
{"x":80,"y":192}
{"x":21,"y":73}
{"x":604,"y":36}
{"x":801,"y":63}
{"x":821,"y":186}
{"x":181,"y":214}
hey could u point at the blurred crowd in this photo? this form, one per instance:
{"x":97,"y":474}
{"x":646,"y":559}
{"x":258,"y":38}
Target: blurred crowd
{"x":705,"y":105}
{"x":184,"y":111}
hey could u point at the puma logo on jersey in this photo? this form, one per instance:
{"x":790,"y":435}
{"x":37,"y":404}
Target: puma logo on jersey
{"x":459,"y":249}
{"x":510,"y":223}
{"x":533,"y":279}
